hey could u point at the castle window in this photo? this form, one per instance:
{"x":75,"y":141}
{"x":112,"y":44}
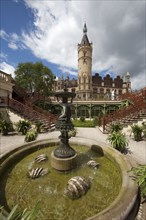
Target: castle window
{"x":101,"y":90}
{"x":94,"y":90}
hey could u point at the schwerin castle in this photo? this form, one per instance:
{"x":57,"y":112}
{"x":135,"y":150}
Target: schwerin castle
{"x":94,"y":94}
{"x":93,"y":87}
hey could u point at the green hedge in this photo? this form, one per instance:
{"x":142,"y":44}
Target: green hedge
{"x":86,"y":123}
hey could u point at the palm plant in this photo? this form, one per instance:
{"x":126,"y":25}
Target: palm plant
{"x":23,"y":126}
{"x":137,"y":131}
{"x":115,"y":127}
{"x":5,"y":126}
{"x":31,"y":135}
{"x":118,"y":141}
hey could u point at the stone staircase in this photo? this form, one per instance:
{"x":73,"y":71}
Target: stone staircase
{"x":21,"y":111}
{"x":134,"y":113}
{"x":132,"y":119}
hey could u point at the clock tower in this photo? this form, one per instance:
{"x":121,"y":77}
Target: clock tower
{"x":84,"y":90}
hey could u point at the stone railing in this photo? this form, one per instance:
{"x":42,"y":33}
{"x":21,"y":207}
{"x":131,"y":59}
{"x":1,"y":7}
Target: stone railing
{"x":31,"y":114}
{"x":5,"y":77}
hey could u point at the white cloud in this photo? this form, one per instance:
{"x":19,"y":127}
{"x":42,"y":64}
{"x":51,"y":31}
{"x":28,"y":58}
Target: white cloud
{"x":3,"y":35}
{"x":14,"y":41}
{"x":68,"y":70}
{"x":12,"y":45}
{"x":7,"y":68}
{"x":3,"y":56}
{"x":138,"y":81}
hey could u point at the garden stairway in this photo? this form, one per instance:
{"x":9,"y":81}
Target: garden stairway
{"x":128,"y":115}
{"x":34,"y":115}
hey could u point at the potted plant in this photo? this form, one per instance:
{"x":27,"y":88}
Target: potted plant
{"x":23,"y":126}
{"x":5,"y":127}
{"x":31,"y":135}
{"x":115,"y":127}
{"x":137,"y":131}
{"x":118,"y":141}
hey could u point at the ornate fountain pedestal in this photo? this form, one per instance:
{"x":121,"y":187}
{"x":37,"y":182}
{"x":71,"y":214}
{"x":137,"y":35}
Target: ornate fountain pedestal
{"x":63,"y":158}
{"x":63,"y":164}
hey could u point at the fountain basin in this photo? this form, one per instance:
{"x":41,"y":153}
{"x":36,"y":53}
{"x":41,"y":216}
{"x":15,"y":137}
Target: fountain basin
{"x":125,"y":205}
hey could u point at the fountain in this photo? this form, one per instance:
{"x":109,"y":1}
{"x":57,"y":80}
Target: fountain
{"x":64,"y":157}
{"x":77,"y":180}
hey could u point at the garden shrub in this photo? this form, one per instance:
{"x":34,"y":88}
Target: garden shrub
{"x":115,"y":127}
{"x":137,"y":131}
{"x":31,"y":135}
{"x":82,"y":119}
{"x":118,"y":141}
{"x":140,"y":174}
{"x":96,"y":121}
{"x":23,"y":126}
{"x":5,"y":126}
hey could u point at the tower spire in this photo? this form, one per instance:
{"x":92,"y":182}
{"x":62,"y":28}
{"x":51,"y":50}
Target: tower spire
{"x":85,"y":28}
{"x":85,"y":40}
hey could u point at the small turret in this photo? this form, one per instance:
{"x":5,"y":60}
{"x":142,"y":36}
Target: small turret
{"x":127,"y":82}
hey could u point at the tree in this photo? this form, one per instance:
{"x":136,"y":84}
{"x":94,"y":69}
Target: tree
{"x":35,"y":78}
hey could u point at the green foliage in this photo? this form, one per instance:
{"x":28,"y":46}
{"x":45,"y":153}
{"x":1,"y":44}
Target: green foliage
{"x":82,"y":119}
{"x":23,"y":126}
{"x":144,"y":129}
{"x":79,"y":123}
{"x":140,"y":173}
{"x":38,"y":125}
{"x":115,"y":127}
{"x":137,"y":131}
{"x":21,"y":215}
{"x":118,"y":141}
{"x":96,"y":121}
{"x":34,"y":77}
{"x":5,"y":126}
{"x":72,"y":133}
{"x":31,"y":135}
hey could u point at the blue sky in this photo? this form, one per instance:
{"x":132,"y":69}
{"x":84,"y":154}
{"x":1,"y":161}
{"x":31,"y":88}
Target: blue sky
{"x":49,"y":31}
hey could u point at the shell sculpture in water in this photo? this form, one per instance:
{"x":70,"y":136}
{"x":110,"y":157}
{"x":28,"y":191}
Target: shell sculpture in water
{"x":76,"y":187}
{"x":37,"y":172}
{"x":93,"y":163}
{"x":41,"y":158}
